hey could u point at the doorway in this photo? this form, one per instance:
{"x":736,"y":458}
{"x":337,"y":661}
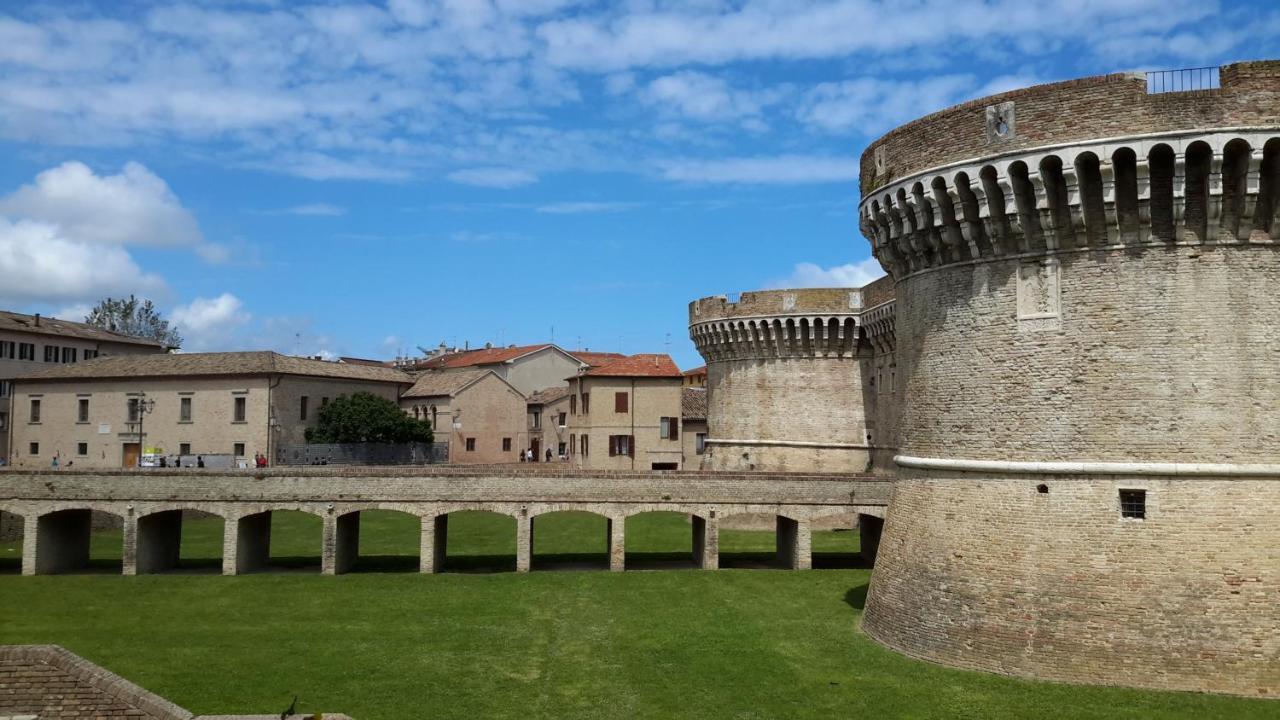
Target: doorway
{"x":536,"y":445}
{"x":665,"y":466}
{"x":130,"y":455}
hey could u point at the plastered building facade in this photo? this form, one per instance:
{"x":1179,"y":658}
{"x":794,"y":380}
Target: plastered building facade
{"x":1088,"y":473}
{"x":238,"y":404}
{"x":627,"y":415}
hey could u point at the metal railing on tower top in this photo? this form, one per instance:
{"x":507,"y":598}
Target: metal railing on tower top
{"x":1184,"y":80}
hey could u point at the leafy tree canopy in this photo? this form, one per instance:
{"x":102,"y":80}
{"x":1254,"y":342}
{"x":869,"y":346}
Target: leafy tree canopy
{"x":134,"y":317}
{"x":365,"y":417}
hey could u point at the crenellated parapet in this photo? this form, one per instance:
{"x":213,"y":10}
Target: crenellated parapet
{"x":1197,"y":187}
{"x":812,"y":323}
{"x":1103,"y":162}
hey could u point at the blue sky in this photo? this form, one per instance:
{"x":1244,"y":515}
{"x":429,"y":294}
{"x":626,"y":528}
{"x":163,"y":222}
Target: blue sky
{"x":360,"y":179}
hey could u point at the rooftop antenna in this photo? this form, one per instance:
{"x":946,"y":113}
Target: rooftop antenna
{"x":553,"y":334}
{"x":297,"y":344}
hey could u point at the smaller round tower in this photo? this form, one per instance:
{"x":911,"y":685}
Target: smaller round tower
{"x":789,"y":378}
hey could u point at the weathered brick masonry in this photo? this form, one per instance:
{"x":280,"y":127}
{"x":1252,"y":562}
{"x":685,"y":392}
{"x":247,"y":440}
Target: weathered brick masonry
{"x":1086,"y":305}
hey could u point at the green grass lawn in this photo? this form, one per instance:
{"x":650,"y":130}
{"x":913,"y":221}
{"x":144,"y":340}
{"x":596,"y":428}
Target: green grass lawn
{"x":680,"y":643}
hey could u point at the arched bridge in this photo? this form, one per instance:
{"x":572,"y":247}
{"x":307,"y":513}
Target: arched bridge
{"x":55,"y":508}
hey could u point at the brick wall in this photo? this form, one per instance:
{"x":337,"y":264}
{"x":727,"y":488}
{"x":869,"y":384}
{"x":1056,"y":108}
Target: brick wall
{"x":1076,"y":110}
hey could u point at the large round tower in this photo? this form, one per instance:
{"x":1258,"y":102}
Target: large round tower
{"x":1088,"y":331}
{"x":781,"y":365}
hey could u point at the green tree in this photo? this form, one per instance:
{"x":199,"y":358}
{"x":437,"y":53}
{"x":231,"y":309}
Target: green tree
{"x":365,"y":417}
{"x":134,"y":317}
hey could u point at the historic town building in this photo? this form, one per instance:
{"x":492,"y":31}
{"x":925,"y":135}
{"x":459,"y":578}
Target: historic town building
{"x":32,"y":342}
{"x":105,"y":412}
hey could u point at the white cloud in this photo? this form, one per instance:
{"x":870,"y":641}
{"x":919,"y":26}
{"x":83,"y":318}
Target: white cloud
{"x":319,"y":166}
{"x":705,"y":97}
{"x":581,"y":207}
{"x":810,"y":275}
{"x":869,"y":105}
{"x":779,"y":170}
{"x":493,"y":177}
{"x":209,"y":323}
{"x":41,"y":265}
{"x":133,"y":208}
{"x":319,"y":209}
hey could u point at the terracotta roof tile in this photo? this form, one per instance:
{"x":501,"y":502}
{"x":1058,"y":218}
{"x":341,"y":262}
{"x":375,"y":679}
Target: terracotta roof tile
{"x":18,"y":322}
{"x":595,"y":359}
{"x":483,"y":356}
{"x":643,"y":365}
{"x":262,"y":362}
{"x":445,"y":382}
{"x":700,"y":370}
{"x":693,"y":404}
{"x":549,"y":395}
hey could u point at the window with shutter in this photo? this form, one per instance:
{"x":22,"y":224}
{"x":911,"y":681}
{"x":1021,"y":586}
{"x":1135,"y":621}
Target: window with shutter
{"x":613,"y":445}
{"x":631,"y":445}
{"x":620,"y":402}
{"x":675,"y":428}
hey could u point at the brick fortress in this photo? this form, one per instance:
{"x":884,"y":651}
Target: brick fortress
{"x":1085,"y":354}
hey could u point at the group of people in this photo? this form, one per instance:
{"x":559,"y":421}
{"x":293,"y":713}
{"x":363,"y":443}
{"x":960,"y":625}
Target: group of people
{"x":527,"y":455}
{"x":259,"y":460}
{"x":177,"y":461}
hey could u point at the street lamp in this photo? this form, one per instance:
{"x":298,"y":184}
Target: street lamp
{"x":142,"y":405}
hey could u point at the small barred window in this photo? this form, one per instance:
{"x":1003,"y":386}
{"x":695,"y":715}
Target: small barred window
{"x":1133,"y":504}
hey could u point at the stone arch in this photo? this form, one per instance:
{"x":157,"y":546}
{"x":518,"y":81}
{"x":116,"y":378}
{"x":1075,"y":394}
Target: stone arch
{"x":263,"y":531}
{"x":790,"y":335}
{"x":656,"y":528}
{"x":1266,"y":213}
{"x":997,"y":209}
{"x":160,"y":536}
{"x":1059,"y":202}
{"x":1128,"y":220}
{"x":806,"y":342}
{"x":63,"y":539}
{"x":557,"y":532}
{"x":953,"y":239}
{"x":1236,"y":158}
{"x":478,"y":537}
{"x":850,"y":342}
{"x":371,"y":537}
{"x":1092,"y":203}
{"x":1024,"y":196}
{"x":1195,"y":213}
{"x":974,"y":233}
{"x":1162,"y":161}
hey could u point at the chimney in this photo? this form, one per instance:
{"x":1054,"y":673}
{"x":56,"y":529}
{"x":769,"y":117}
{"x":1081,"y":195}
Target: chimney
{"x":488,"y":346}
{"x":37,"y":319}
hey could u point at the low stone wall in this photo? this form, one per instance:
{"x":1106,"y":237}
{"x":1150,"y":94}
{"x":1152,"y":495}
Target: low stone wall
{"x":47,"y":682}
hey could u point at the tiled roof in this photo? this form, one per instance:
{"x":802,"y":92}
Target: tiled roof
{"x":17,"y":322}
{"x":548,"y":396}
{"x":643,"y":365}
{"x":483,"y":356}
{"x":262,"y":362}
{"x":364,"y":361}
{"x":700,"y":370}
{"x":693,"y":404}
{"x":445,"y":382}
{"x":595,"y":359}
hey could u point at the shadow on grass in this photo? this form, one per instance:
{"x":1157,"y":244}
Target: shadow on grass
{"x":10,"y":566}
{"x":659,"y":561}
{"x":480,"y":563}
{"x":839,"y":561}
{"x":856,"y":598}
{"x":751,"y":561}
{"x":387,"y":564}
{"x":571,"y":561}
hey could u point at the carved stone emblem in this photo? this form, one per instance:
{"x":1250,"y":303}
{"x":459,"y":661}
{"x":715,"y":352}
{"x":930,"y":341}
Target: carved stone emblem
{"x":1001,"y":124}
{"x":1039,"y":296}
{"x":881,"y":160}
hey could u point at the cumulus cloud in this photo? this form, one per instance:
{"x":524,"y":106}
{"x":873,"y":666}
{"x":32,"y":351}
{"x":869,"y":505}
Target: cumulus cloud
{"x":210,"y":323}
{"x":780,"y":170}
{"x":41,"y":265}
{"x":134,"y":207}
{"x":871,"y":105}
{"x":701,"y":96}
{"x":493,"y":177}
{"x":811,"y":275}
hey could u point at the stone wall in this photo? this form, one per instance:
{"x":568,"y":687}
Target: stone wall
{"x":985,"y":572}
{"x":1168,"y":355}
{"x":1074,"y":110}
